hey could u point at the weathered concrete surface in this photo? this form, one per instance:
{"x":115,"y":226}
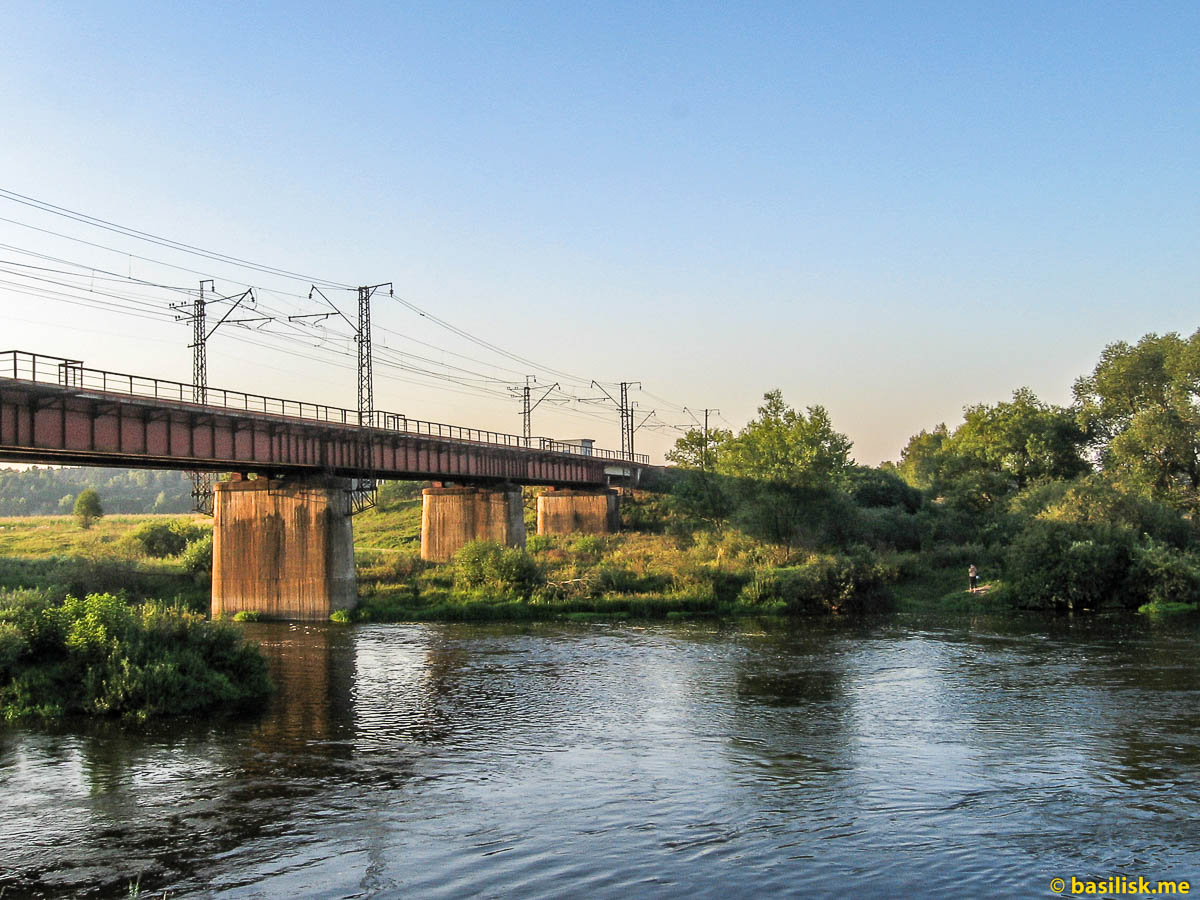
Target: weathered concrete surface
{"x":284,"y":549}
{"x":589,"y":512}
{"x":454,"y":516}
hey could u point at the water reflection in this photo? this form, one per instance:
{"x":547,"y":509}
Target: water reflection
{"x":902,"y":755}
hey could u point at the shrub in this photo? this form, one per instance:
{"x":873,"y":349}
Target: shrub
{"x":247,"y":615}
{"x":1064,"y":565}
{"x":100,"y":656}
{"x":588,"y":545}
{"x":487,"y":565}
{"x":198,"y":556}
{"x":538,"y":543}
{"x":162,"y":539}
{"x":880,"y":488}
{"x":1162,"y":576}
{"x":823,"y":583}
{"x":341,"y":617}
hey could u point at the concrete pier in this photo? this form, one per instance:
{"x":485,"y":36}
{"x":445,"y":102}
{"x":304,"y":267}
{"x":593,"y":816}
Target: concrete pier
{"x":454,"y":516}
{"x":283,"y":549}
{"x":588,"y":512}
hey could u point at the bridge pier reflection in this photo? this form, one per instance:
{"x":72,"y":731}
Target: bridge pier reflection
{"x":283,"y":549}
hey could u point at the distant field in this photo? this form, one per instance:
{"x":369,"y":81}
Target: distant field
{"x":41,"y":536}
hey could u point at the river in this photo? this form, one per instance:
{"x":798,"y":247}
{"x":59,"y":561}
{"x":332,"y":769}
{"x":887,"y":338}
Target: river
{"x":898,"y":756}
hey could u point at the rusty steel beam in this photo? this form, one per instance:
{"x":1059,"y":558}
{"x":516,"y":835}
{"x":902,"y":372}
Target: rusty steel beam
{"x":46,"y":423}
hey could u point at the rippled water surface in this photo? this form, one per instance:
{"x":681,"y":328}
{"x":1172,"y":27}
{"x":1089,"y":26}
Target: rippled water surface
{"x":897,"y":757}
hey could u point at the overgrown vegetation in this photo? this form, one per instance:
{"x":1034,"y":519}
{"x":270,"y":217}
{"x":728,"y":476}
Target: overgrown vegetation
{"x":1086,"y":507}
{"x":130,"y":555}
{"x":82,"y":630}
{"x":99,"y":655}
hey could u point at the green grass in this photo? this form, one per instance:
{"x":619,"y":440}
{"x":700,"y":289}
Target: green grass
{"x":1160,"y":608}
{"x":53,"y":553}
{"x":643,"y":573}
{"x":394,"y":528}
{"x":632,"y":575}
{"x":40,"y":536}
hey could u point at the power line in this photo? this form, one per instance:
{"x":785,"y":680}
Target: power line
{"x":86,"y":219}
{"x":452,"y":374}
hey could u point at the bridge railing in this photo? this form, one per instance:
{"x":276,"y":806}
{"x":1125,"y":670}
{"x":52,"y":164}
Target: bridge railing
{"x":22,"y":366}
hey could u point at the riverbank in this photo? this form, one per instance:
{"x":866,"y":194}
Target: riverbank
{"x":651,"y":570}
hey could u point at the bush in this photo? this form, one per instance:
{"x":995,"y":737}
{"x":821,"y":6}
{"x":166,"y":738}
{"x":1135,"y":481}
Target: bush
{"x":588,"y":545}
{"x":87,"y":508}
{"x":538,"y":543}
{"x":1162,"y":576}
{"x":198,"y":556}
{"x":823,"y":583}
{"x":162,"y":539}
{"x":1068,"y":566}
{"x":100,"y":656}
{"x":487,"y":565}
{"x":875,"y":488}
{"x":1093,"y":500}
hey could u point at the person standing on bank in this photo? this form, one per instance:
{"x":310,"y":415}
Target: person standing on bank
{"x":973,"y":576}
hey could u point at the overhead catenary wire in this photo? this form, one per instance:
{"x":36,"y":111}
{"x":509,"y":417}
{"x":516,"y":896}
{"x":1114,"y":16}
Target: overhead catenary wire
{"x":427,"y":371}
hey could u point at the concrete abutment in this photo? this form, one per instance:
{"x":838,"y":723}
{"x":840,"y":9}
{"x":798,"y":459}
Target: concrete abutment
{"x":283,"y":549}
{"x":454,"y":516}
{"x":587,"y":512}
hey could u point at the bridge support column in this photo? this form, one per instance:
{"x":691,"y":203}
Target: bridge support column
{"x":283,"y":549}
{"x":454,"y":516}
{"x":589,"y":512}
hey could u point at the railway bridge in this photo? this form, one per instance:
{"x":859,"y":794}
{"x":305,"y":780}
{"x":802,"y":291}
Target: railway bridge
{"x":297,"y":471}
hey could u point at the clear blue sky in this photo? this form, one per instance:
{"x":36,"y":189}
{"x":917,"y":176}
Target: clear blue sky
{"x":893,"y":210}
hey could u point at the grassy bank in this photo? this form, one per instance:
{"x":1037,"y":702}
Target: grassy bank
{"x":652,"y":570}
{"x":111,"y":621}
{"x":53,"y":554}
{"x":643,"y":572}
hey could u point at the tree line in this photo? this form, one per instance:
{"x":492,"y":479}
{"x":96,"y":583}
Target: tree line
{"x":1087,"y":505}
{"x":44,"y":491}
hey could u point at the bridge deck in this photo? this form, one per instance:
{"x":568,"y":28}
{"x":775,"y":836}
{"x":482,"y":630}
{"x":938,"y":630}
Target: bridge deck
{"x":57,"y":411}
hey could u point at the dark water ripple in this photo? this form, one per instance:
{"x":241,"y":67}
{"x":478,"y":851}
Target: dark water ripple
{"x":896,"y":757}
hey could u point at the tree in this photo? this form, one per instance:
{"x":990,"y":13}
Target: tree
{"x":1141,"y":409}
{"x":697,"y":450}
{"x":921,"y":460}
{"x":787,"y":447}
{"x":88,"y":508}
{"x":996,"y":451}
{"x":1025,"y":440}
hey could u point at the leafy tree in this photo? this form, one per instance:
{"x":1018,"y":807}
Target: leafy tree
{"x":994,"y":453}
{"x":922,"y":460}
{"x":1025,"y":439}
{"x":696,"y":450}
{"x":1095,"y":500}
{"x":1141,"y":409}
{"x":788,"y":447}
{"x":881,"y":487}
{"x":88,"y":508}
